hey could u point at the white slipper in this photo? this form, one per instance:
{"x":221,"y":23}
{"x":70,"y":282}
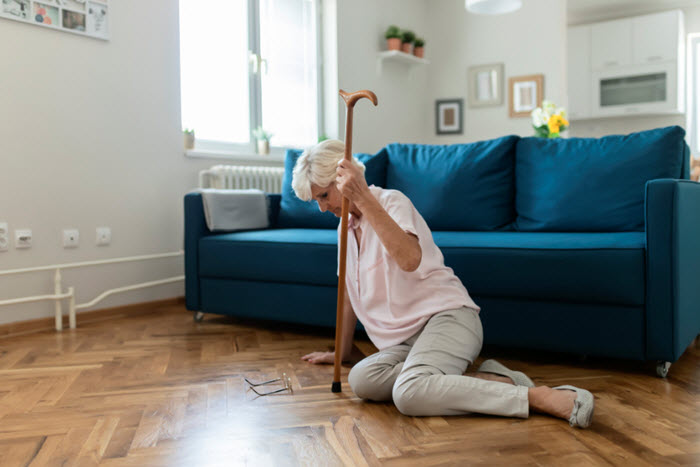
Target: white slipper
{"x":518,"y":377}
{"x":582,"y":415}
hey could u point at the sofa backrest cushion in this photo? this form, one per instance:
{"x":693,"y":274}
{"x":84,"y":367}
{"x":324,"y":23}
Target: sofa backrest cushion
{"x":295,"y":213}
{"x":592,"y":184}
{"x":458,"y":186}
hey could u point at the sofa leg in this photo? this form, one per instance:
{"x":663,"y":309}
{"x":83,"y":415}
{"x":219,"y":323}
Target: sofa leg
{"x":198,"y":316}
{"x":662,"y":369}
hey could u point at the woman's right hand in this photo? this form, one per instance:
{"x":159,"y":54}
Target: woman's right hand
{"x":320,"y":357}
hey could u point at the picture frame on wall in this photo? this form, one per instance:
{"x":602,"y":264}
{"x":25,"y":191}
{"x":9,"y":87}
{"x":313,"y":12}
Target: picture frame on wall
{"x":525,"y":94}
{"x":485,"y":85}
{"x":448,"y":116}
{"x":15,"y":9}
{"x":89,"y":18}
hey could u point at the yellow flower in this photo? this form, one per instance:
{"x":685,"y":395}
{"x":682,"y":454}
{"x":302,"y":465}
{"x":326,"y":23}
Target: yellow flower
{"x":553,"y":125}
{"x":556,"y":122}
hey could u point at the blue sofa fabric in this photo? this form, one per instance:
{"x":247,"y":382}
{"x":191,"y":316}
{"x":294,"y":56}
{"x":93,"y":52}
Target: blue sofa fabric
{"x":595,"y":254}
{"x":592,"y":184}
{"x":592,"y":268}
{"x":673,"y":256}
{"x":573,"y":267}
{"x":602,"y":330}
{"x":459,"y":186}
{"x":306,"y":256}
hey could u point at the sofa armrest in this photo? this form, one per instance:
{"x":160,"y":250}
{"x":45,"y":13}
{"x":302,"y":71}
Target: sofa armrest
{"x":273,"y":206}
{"x":672,"y":219}
{"x":195,"y":228}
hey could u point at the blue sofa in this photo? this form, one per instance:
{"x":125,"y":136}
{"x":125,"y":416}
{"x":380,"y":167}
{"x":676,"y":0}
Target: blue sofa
{"x":579,"y":245}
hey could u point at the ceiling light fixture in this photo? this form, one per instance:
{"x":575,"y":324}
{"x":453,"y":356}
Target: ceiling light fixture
{"x":492,"y":7}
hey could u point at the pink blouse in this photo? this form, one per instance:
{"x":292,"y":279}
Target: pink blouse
{"x":393,"y":304}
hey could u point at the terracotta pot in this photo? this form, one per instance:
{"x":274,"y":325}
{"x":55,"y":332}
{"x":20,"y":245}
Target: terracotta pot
{"x":393,"y":43}
{"x":406,"y":47}
{"x":263,"y":146}
{"x":189,"y":140}
{"x":418,"y":52}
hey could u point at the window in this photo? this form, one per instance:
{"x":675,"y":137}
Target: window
{"x":250,"y":63}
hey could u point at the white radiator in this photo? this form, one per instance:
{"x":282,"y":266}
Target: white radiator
{"x":267,"y":179}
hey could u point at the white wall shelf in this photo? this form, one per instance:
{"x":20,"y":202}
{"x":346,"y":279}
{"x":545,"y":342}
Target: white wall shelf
{"x":397,"y":56}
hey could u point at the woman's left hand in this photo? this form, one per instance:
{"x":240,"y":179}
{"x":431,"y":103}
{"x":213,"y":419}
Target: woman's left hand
{"x":350,"y":181}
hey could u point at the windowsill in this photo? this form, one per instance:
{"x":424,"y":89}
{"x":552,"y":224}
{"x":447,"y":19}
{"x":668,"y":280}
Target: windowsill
{"x":274,"y":156}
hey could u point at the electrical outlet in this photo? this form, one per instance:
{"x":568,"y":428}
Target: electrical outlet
{"x":4,"y":237}
{"x":71,"y":238}
{"x":23,"y":238}
{"x":104,"y":236}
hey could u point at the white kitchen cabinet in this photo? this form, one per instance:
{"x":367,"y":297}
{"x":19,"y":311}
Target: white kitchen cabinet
{"x":642,"y":89}
{"x":655,"y":38}
{"x":579,"y":72}
{"x":611,"y":44}
{"x":633,"y":66}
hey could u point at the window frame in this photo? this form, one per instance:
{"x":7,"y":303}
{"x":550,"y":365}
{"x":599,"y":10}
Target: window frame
{"x":223,"y":149}
{"x":693,"y":80}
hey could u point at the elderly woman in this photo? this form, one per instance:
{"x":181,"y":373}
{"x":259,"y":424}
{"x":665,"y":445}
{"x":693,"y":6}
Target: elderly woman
{"x":414,"y":308}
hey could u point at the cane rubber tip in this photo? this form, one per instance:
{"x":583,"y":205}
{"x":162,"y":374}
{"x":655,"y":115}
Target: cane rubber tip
{"x":336,"y":386}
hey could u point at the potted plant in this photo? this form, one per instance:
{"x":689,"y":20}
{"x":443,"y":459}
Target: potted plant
{"x":418,"y":46}
{"x":407,"y":38}
{"x":188,"y":134}
{"x":393,"y":38}
{"x":263,"y":138}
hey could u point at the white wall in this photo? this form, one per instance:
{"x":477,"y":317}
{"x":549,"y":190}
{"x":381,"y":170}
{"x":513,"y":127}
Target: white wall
{"x":529,"y":41}
{"x":622,"y":125}
{"x":90,"y":136}
{"x":455,"y":40}
{"x":400,"y":90}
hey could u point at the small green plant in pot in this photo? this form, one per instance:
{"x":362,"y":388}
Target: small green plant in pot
{"x":188,"y":135}
{"x":393,"y":38}
{"x":263,"y":139}
{"x":407,"y":38}
{"x":418,"y":47}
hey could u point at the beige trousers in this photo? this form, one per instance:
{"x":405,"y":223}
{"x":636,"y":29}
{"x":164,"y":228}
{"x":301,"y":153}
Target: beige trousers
{"x":424,"y":374}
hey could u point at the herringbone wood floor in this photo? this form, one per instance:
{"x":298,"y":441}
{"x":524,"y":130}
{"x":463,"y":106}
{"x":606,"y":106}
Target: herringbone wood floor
{"x":158,"y":389}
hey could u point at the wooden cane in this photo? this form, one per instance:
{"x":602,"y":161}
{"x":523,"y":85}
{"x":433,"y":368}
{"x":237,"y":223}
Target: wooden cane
{"x":350,"y":99}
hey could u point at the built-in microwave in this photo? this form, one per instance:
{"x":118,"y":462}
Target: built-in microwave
{"x":640,"y":89}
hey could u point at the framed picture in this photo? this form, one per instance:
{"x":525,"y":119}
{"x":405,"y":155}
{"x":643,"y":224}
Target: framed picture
{"x":73,"y":20}
{"x":485,"y":85}
{"x":88,"y":18}
{"x":524,"y":94}
{"x":448,"y":116}
{"x":16,"y":9}
{"x":97,"y":19}
{"x":45,"y":14}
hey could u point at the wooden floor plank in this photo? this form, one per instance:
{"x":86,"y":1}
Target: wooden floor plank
{"x":158,"y":389}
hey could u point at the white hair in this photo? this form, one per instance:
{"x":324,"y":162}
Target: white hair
{"x":317,"y":166}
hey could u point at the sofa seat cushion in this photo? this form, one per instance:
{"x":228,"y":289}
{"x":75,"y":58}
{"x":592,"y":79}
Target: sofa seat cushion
{"x":572,"y":267}
{"x":593,"y":184}
{"x":303,"y":256}
{"x":583,"y":268}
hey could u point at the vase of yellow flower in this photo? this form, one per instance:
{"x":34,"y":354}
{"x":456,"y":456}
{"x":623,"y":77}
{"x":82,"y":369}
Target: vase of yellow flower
{"x":549,"y":120}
